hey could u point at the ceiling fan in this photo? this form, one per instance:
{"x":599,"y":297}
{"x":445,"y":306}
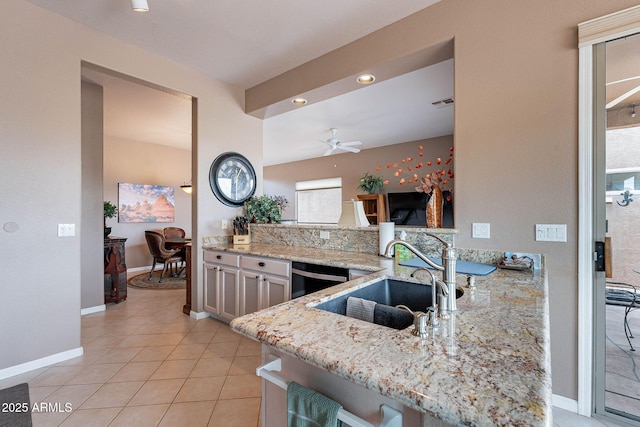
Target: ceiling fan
{"x":334,"y":143}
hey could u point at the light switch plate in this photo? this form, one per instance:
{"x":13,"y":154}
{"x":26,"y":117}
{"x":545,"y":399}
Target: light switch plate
{"x":66,"y":230}
{"x":324,"y":234}
{"x":223,"y":224}
{"x":481,"y":230}
{"x":551,"y":232}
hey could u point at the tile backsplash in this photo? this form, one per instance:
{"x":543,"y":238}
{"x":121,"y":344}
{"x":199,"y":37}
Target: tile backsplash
{"x":363,"y":239}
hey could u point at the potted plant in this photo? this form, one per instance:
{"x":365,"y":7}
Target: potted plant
{"x":262,"y":209}
{"x":371,"y":184}
{"x":110,"y":211}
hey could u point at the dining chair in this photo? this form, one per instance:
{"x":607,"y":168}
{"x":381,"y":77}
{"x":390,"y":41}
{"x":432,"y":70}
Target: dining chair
{"x":627,"y":296}
{"x":155,"y":242}
{"x":176,"y":233}
{"x":173,"y":232}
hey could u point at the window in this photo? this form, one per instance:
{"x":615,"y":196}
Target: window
{"x":623,"y":179}
{"x":319,"y":201}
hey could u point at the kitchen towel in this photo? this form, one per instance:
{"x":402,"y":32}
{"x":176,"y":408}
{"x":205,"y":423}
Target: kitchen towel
{"x":386,"y":233}
{"x":361,"y":309}
{"x":392,"y":317}
{"x":308,"y":408}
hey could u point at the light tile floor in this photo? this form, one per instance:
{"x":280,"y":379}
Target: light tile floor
{"x":145,"y":363}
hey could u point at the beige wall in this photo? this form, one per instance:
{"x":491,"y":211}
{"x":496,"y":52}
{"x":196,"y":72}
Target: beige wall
{"x":516,"y":91}
{"x":142,"y":163}
{"x":91,"y":236}
{"x":281,"y":179}
{"x":40,"y":160}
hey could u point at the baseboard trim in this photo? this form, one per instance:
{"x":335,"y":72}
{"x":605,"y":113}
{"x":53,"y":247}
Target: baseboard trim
{"x":40,"y":363}
{"x":136,"y":269}
{"x":91,"y":310}
{"x":198,"y":316}
{"x":565,"y":403}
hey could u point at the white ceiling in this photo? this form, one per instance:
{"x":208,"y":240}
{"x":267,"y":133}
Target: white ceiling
{"x":385,"y":113}
{"x":239,"y":42}
{"x":245,"y":43}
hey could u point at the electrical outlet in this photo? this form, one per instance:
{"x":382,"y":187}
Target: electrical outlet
{"x":481,"y":230}
{"x":223,"y":224}
{"x":66,"y":230}
{"x":324,"y":234}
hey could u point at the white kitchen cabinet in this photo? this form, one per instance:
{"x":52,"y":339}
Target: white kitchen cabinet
{"x":229,"y":293}
{"x":221,"y":284}
{"x":250,"y":292}
{"x":275,"y":290}
{"x":235,"y":285}
{"x":211,"y":293}
{"x":354,"y":398}
{"x":264,"y":282}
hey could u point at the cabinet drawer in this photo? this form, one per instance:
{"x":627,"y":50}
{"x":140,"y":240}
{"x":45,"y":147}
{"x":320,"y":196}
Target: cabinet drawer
{"x":224,"y":258}
{"x":266,"y":265}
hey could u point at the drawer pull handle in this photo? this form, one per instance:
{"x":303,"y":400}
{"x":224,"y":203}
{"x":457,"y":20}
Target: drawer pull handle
{"x":218,"y":256}
{"x":261,"y":264}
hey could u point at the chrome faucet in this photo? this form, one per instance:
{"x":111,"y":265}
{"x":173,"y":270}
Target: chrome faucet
{"x":433,"y":310}
{"x":448,"y":266}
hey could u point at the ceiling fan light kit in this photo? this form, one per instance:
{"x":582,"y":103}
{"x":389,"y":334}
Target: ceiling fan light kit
{"x":334,"y":143}
{"x":140,"y":5}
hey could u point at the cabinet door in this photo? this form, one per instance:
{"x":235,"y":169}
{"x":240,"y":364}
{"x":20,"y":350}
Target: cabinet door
{"x":250,"y":292}
{"x":211,"y":288}
{"x":275,"y":290}
{"x":229,"y":295}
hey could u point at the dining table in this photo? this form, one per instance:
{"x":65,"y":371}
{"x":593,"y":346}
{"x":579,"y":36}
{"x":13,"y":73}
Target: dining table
{"x":178,"y":243}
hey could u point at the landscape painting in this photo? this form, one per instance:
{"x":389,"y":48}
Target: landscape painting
{"x":145,"y":203}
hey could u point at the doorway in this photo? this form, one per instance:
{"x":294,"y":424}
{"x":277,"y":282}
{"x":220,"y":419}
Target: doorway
{"x":143,"y":136}
{"x":618,"y":384}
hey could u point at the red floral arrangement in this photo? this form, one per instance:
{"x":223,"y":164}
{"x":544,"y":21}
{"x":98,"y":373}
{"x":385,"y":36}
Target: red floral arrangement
{"x":409,"y":168}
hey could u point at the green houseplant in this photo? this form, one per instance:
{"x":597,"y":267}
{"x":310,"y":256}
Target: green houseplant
{"x":263,"y":209}
{"x":370,"y":183}
{"x":110,"y":211}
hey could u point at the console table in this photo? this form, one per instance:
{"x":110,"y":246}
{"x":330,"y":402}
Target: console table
{"x":115,"y":270}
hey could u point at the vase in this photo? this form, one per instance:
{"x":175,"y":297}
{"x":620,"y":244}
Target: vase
{"x":434,"y":208}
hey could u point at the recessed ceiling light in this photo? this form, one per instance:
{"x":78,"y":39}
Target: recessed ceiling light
{"x":366,"y":79}
{"x":299,"y":101}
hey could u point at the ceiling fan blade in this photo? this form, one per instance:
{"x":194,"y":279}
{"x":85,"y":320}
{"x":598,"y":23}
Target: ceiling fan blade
{"x":329,"y":151}
{"x":351,"y":143}
{"x":351,"y":149}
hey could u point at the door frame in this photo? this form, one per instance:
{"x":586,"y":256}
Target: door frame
{"x":591,"y":33}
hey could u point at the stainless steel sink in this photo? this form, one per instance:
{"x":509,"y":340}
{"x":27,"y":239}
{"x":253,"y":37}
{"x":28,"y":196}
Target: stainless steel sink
{"x":388,"y":293}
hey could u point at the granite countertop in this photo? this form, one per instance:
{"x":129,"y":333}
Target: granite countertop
{"x":489,"y":364}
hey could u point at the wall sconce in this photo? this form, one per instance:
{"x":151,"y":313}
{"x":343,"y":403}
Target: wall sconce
{"x":140,"y":5}
{"x":187,"y":188}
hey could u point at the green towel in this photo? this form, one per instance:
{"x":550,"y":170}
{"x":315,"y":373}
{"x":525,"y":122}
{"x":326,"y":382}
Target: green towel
{"x":308,"y":408}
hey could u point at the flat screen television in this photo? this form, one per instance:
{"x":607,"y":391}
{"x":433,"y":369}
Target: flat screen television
{"x":410,"y":208}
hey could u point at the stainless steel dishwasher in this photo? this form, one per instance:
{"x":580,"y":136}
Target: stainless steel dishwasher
{"x":307,"y":278}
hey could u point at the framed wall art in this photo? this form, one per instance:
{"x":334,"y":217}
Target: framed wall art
{"x":145,"y":203}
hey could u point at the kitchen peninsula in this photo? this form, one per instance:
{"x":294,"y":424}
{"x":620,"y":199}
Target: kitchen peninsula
{"x":488,"y":364}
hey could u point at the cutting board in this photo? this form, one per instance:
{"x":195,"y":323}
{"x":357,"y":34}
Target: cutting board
{"x":462,"y":267}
